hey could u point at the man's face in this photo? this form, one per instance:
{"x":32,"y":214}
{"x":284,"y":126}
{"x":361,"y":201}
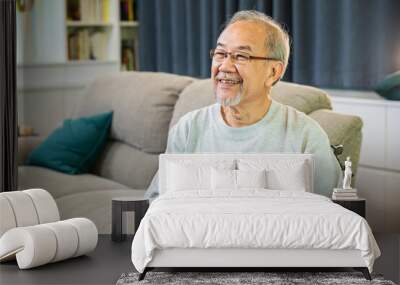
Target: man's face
{"x":235,"y":82}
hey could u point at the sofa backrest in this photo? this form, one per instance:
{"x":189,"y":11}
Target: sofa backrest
{"x":304,"y":98}
{"x":142,"y":103}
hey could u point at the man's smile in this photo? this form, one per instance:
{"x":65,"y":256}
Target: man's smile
{"x":229,"y":81}
{"x":224,"y":81}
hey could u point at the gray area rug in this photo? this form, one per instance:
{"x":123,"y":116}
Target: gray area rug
{"x":243,"y":278}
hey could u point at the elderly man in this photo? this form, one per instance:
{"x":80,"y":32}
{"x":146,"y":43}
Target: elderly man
{"x":251,"y":55}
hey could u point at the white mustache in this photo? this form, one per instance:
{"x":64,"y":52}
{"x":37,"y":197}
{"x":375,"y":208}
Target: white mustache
{"x":224,"y":76}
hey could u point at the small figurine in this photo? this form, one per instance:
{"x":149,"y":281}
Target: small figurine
{"x":346,"y":192}
{"x":347,"y":174}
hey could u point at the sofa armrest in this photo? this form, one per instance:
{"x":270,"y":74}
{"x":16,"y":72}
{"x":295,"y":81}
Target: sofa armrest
{"x":342,"y":129}
{"x":25,"y":146}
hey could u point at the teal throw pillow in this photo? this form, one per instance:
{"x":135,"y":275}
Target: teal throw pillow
{"x":389,"y":87}
{"x":73,"y":147}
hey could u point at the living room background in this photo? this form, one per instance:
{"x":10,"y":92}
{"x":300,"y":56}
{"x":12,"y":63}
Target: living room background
{"x":354,"y":55}
{"x":80,"y":122}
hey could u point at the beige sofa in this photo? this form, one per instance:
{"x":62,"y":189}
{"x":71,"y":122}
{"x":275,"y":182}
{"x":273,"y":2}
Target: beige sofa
{"x":145,"y":105}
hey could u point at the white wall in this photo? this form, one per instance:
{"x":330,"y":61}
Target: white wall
{"x":378,"y":178}
{"x":48,"y":85}
{"x":49,"y":93}
{"x":39,"y":31}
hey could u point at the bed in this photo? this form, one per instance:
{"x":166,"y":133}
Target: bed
{"x":247,"y":210}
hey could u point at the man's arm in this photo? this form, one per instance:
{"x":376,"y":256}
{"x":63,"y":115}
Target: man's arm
{"x":177,"y":141}
{"x":327,"y":169}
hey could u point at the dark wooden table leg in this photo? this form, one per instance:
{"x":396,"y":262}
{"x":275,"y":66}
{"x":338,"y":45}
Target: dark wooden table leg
{"x":116,"y":227}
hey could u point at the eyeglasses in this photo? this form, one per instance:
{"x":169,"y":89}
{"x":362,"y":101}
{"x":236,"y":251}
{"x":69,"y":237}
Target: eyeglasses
{"x":237,"y":57}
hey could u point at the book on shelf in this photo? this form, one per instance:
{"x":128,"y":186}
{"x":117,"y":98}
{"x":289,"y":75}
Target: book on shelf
{"x":127,"y":10}
{"x":106,"y":10}
{"x":73,"y":12}
{"x":88,"y":10}
{"x":128,"y":54}
{"x":98,"y":43}
{"x":84,"y":44}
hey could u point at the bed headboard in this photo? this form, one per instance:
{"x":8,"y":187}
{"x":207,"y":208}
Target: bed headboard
{"x":286,"y":171}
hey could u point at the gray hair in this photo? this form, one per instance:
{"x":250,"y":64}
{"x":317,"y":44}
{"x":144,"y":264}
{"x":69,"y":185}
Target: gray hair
{"x":277,"y":42}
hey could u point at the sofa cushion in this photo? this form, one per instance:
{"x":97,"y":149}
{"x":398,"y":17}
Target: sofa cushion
{"x":197,"y":95}
{"x":304,"y":98}
{"x":73,"y":147}
{"x":142,"y":102}
{"x":126,"y":165}
{"x":342,"y":129}
{"x":60,"y":184}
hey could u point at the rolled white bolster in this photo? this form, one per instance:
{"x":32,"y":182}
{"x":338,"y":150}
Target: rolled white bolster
{"x":40,"y":244}
{"x":24,"y":210}
{"x":67,"y":240}
{"x":7,"y":220}
{"x":87,"y":235}
{"x":45,"y":205}
{"x":33,"y":246}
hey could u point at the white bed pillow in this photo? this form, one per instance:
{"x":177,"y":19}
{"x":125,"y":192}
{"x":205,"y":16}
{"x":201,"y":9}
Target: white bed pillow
{"x":282,"y":174}
{"x":251,"y":178}
{"x":293,"y":179}
{"x":190,"y":172}
{"x":226,"y":179}
{"x":187,"y":177}
{"x":223,"y":179}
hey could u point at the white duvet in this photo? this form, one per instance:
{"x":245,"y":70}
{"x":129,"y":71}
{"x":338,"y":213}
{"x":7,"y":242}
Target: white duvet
{"x":251,"y":218}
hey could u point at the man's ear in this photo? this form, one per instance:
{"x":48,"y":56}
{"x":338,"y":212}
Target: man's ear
{"x":275,"y":74}
{"x":277,"y":71}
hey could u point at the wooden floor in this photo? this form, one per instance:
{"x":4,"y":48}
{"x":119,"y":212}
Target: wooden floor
{"x":110,"y":260}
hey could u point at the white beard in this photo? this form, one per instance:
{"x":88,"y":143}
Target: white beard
{"x":230,"y":102}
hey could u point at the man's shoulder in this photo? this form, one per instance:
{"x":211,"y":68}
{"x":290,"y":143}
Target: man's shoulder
{"x":290,"y":111}
{"x":298,"y":119}
{"x":201,"y":114}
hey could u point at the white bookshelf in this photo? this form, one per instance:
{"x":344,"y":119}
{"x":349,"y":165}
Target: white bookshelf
{"x":133,"y":24}
{"x":87,"y":24}
{"x":44,"y":33}
{"x":128,"y":30}
{"x":129,"y":36}
{"x":49,"y":84}
{"x":117,"y":39}
{"x":91,"y":29}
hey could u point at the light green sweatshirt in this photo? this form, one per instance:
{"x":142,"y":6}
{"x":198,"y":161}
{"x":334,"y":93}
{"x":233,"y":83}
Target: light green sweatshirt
{"x":283,"y":129}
